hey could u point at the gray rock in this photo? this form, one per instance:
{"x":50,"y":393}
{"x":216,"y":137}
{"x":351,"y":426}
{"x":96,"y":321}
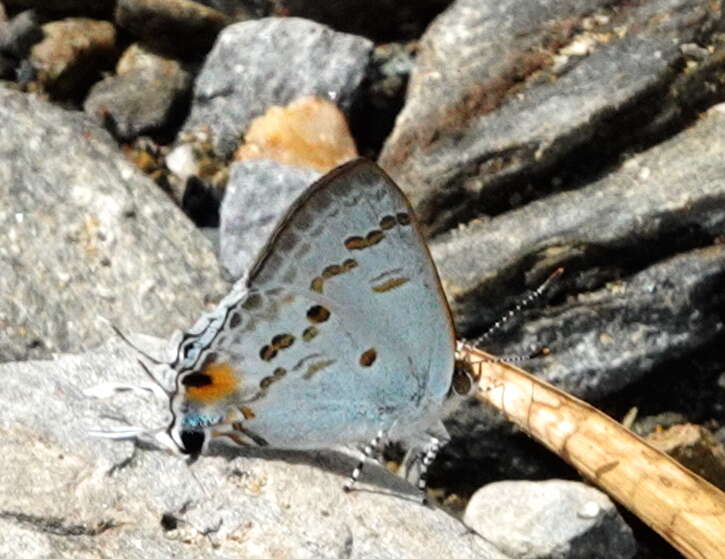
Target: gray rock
{"x":550,"y":519}
{"x":257,"y":64}
{"x":258,"y":194}
{"x":503,"y":92}
{"x":606,"y":340}
{"x":119,"y":500}
{"x":85,"y":236}
{"x":141,"y":100}
{"x":179,"y":26}
{"x":643,"y":292}
{"x":20,"y":33}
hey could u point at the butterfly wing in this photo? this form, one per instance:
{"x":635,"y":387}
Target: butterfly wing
{"x":344,"y":329}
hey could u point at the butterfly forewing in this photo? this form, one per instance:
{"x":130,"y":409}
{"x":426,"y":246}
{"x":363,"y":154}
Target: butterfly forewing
{"x":344,"y":329}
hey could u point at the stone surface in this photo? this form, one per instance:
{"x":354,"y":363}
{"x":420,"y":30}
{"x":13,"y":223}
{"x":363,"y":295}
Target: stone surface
{"x":257,"y":64}
{"x":66,"y":494}
{"x":643,"y":282}
{"x":19,"y":34}
{"x":180,"y":26}
{"x":501,"y":93}
{"x":258,"y":194}
{"x":145,"y":96}
{"x":87,"y":236}
{"x":309,"y":132}
{"x":73,"y":54}
{"x":551,"y":519}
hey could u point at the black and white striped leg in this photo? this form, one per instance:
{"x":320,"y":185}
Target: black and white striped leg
{"x":370,"y":451}
{"x":428,"y":455}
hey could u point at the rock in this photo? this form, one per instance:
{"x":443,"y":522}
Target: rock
{"x":86,"y":237}
{"x":502,"y":93}
{"x":179,"y":26}
{"x":309,"y":132}
{"x":695,"y":448}
{"x":122,"y":500}
{"x":258,"y":64}
{"x":258,"y":194}
{"x":182,"y":162}
{"x":642,"y":289}
{"x":73,"y":54}
{"x":550,"y":519}
{"x":645,"y":426}
{"x":19,"y":34}
{"x":239,"y":10}
{"x":144,"y":97}
{"x":381,"y":20}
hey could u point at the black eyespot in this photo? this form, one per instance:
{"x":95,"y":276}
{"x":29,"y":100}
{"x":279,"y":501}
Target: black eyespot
{"x":192,"y":441}
{"x":196,"y":379}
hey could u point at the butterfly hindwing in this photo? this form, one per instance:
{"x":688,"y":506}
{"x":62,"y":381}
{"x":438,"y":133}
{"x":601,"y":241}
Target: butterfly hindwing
{"x":344,"y":328}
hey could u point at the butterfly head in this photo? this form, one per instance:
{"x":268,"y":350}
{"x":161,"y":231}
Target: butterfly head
{"x":201,"y":400}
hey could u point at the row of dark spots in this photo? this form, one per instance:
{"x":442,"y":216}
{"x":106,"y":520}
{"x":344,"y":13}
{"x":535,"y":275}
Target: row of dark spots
{"x":377,"y":235}
{"x":316,"y":314}
{"x":331,"y":271}
{"x":278,"y":373}
{"x":280,"y":341}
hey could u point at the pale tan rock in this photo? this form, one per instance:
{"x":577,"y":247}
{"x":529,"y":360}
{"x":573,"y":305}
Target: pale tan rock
{"x":694,"y":447}
{"x":73,"y":53}
{"x":309,"y":132}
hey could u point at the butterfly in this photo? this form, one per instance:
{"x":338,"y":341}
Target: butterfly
{"x":340,"y":334}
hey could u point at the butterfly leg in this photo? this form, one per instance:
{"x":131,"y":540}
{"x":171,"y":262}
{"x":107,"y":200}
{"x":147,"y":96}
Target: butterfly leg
{"x":370,"y":450}
{"x":427,"y":457}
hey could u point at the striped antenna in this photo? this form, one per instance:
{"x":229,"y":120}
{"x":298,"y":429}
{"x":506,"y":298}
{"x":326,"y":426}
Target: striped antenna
{"x":525,"y":302}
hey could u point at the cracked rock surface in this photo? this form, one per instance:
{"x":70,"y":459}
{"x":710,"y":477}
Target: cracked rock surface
{"x":66,"y":494}
{"x":502,"y":92}
{"x":87,"y":237}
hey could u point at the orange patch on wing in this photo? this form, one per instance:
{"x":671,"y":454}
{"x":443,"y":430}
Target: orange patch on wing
{"x":223,"y":383}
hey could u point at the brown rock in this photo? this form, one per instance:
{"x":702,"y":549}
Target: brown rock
{"x":145,"y":96}
{"x":72,"y":54}
{"x":175,"y":25}
{"x":695,"y":447}
{"x":309,"y":132}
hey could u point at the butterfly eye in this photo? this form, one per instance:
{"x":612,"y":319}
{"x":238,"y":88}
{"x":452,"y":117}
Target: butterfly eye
{"x":192,"y":442}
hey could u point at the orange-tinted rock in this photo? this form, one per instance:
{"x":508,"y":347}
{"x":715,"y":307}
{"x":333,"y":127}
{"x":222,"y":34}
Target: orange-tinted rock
{"x":309,"y":132}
